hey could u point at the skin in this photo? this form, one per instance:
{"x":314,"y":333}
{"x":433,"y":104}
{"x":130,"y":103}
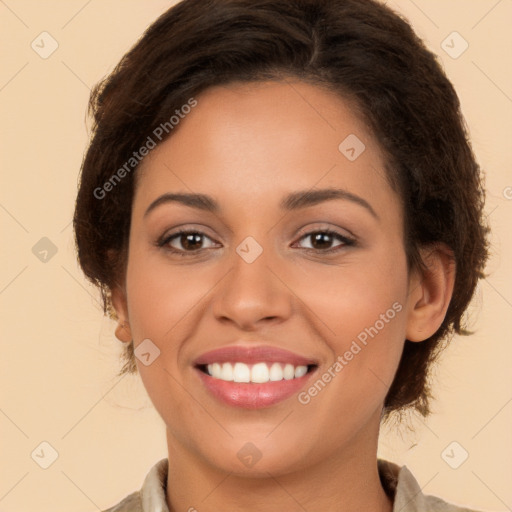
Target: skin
{"x":247,"y":146}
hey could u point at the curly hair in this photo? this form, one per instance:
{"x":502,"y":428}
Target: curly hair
{"x":360,"y":49}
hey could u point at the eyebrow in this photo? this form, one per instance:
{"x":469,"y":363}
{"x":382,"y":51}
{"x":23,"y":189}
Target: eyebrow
{"x":291,"y":202}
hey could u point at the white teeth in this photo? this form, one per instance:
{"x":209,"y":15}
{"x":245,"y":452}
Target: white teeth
{"x":259,"y":373}
{"x":289,"y":372}
{"x":241,"y":373}
{"x":227,"y":372}
{"x":300,"y":371}
{"x":214,"y":370}
{"x":217,"y":369}
{"x":276,"y":372}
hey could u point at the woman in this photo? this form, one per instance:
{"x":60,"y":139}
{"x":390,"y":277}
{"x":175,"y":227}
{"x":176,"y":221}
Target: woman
{"x":283,"y":213}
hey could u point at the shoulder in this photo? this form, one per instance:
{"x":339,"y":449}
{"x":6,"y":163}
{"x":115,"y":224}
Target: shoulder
{"x":438,"y":505}
{"x":132,"y":503}
{"x":400,"y":483}
{"x":409,"y":491}
{"x":151,"y":496}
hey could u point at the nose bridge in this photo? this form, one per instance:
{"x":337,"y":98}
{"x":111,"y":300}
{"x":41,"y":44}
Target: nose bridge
{"x":251,"y":276}
{"x":251,"y":290}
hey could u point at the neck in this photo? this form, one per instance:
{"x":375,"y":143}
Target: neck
{"x":346,"y":481}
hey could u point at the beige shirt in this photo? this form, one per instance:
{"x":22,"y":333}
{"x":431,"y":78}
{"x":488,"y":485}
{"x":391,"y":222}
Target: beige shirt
{"x":398,"y":482}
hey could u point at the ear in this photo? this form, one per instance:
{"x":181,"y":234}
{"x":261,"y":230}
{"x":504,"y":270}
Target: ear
{"x":123,"y":331}
{"x":430,"y":292}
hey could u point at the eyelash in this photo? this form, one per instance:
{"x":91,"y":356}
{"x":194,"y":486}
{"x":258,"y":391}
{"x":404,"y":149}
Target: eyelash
{"x":164,"y":241}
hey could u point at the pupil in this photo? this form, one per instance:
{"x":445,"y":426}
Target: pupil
{"x":324,"y":238}
{"x":190,"y":239}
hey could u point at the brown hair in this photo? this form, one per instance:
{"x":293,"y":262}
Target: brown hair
{"x":360,"y":49}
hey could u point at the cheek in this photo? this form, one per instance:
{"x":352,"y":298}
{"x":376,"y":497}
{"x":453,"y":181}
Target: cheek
{"x":161,"y":295}
{"x":360,"y":310}
{"x":164,"y":305}
{"x":356,"y":296}
{"x":161,"y":300}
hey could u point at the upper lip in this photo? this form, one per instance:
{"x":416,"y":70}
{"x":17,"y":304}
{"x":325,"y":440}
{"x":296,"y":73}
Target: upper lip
{"x":256,"y":354}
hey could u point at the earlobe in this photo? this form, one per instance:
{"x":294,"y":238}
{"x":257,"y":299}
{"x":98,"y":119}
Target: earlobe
{"x":123,"y":331}
{"x":430,"y":293}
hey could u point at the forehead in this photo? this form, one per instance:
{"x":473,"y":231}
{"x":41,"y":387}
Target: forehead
{"x":262,"y":139}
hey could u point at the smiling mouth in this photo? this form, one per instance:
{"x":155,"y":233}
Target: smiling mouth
{"x":258,"y":373}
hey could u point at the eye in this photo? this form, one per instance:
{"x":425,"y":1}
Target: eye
{"x":190,"y":243}
{"x":321,"y":239}
{"x":183,"y":242}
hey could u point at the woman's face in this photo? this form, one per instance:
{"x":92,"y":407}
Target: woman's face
{"x":260,"y":283}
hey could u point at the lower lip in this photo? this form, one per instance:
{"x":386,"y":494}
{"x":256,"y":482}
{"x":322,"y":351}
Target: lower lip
{"x":249,"y":395}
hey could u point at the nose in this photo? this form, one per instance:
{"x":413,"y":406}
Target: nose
{"x":253,"y":293}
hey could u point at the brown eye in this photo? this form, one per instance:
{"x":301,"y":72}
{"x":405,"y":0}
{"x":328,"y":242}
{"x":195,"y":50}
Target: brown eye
{"x":322,"y":240}
{"x":190,"y":241}
{"x":184,"y":241}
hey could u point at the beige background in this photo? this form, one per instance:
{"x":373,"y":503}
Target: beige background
{"x":58,"y":355}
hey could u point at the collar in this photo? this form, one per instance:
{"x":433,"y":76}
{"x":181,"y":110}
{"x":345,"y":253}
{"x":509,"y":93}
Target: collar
{"x":398,"y":482}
